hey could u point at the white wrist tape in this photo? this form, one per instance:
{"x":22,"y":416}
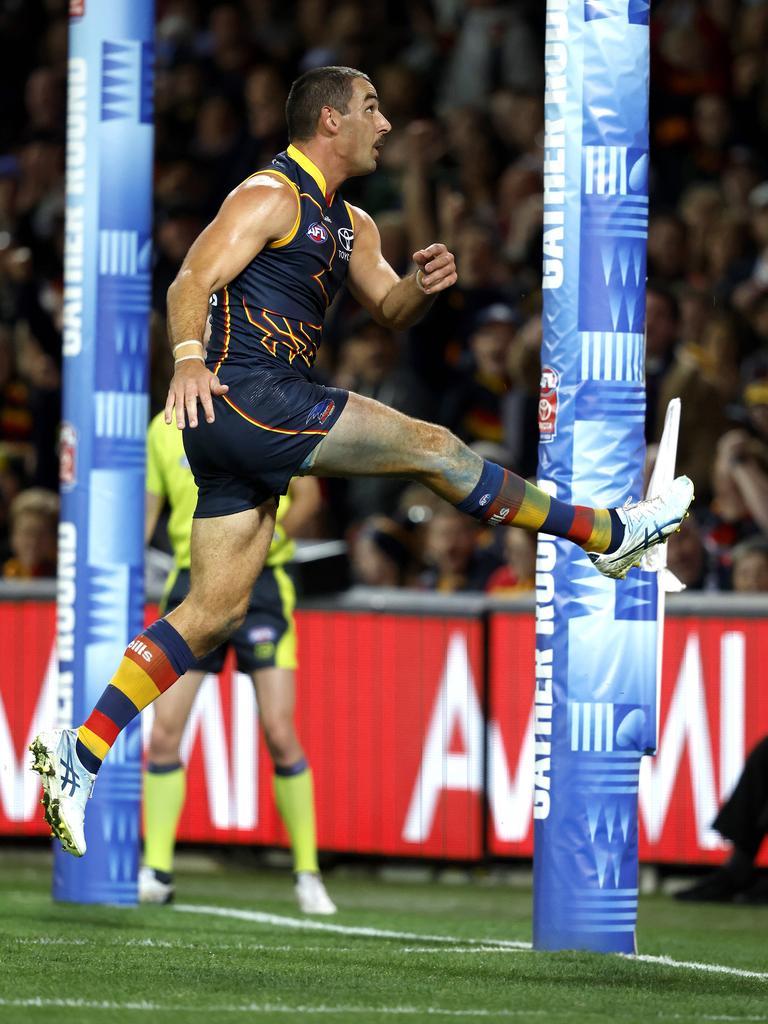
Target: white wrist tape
{"x":183,"y":359}
{"x":184,"y":344}
{"x":419,"y":279}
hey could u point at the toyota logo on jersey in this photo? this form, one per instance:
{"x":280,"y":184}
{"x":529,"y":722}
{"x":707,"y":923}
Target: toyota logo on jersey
{"x":317,"y":233}
{"x":346,"y":237}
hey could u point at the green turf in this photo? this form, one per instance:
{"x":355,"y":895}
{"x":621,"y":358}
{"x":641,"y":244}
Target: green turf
{"x":160,"y":964}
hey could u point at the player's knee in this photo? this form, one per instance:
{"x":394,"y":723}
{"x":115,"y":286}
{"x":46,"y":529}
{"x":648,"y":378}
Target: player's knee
{"x":221,"y":622}
{"x":233,"y":618}
{"x":439,"y":449}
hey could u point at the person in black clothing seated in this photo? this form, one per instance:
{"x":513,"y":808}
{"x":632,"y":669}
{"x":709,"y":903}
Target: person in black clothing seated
{"x":743,"y":819}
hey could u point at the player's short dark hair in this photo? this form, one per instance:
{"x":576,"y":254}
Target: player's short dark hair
{"x":315,"y":89}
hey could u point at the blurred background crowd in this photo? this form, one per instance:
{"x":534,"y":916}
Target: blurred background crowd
{"x":462,"y":83}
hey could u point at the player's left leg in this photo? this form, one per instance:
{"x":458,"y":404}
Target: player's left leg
{"x":370,"y":439}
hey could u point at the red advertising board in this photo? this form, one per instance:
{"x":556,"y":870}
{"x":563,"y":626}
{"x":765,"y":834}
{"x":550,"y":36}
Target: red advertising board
{"x":392,"y":713}
{"x":394,"y":773}
{"x":713,"y":709}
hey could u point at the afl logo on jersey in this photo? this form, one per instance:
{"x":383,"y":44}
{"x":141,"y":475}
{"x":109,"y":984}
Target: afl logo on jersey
{"x":346,"y":237}
{"x":317,"y":233}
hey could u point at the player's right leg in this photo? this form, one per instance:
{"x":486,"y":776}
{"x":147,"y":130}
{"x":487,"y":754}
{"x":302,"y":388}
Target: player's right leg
{"x":370,"y":439}
{"x":165,"y":787}
{"x":228,"y":553}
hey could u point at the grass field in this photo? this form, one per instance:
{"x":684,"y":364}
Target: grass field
{"x":397,"y":950}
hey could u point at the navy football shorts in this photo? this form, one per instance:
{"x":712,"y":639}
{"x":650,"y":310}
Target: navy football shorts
{"x":266,"y":427}
{"x":267,"y":637}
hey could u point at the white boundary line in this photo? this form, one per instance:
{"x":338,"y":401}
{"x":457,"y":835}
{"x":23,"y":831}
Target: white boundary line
{"x":357,"y":1011}
{"x":307,"y":924}
{"x":694,"y":965}
{"x":481,"y":945}
{"x":37,"y":1002}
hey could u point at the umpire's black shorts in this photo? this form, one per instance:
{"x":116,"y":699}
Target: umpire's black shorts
{"x":267,"y":637}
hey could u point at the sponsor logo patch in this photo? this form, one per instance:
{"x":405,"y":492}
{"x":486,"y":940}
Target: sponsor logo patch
{"x":67,"y":455}
{"x":548,"y":388}
{"x":346,"y":237}
{"x":262,"y":635}
{"x":320,"y":413}
{"x":317,"y":233}
{"x":500,"y":516}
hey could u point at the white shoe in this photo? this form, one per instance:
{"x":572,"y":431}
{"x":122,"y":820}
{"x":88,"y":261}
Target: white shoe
{"x":66,"y":786}
{"x":152,"y":889}
{"x":646,"y":524}
{"x":311,"y":894}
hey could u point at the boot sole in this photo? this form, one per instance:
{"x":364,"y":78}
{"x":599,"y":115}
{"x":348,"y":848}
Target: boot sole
{"x":45,"y":768}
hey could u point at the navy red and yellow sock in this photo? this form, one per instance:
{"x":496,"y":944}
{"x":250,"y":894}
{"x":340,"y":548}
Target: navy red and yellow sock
{"x":501,"y":497}
{"x":151,"y":663}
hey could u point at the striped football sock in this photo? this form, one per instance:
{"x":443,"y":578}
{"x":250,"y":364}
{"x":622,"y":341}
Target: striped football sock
{"x":295,"y":799}
{"x":502,"y":497}
{"x":151,"y":663}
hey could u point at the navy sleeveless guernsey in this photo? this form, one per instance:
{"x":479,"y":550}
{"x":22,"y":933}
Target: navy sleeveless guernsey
{"x":274,"y":309}
{"x":266,"y":326}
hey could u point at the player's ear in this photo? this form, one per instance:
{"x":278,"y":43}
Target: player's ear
{"x":329,"y":119}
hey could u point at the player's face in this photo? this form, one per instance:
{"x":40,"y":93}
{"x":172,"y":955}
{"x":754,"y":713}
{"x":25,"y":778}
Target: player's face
{"x":363,"y":129}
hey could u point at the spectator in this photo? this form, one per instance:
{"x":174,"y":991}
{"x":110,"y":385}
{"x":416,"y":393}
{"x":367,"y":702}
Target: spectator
{"x":382,"y":553}
{"x":495,"y":47}
{"x":473,"y":408}
{"x":34,"y":516}
{"x":368,"y":364}
{"x":755,"y":398}
{"x":662,"y":326}
{"x":455,"y":562}
{"x":739,"y":507}
{"x":518,"y":574}
{"x":705,"y":376}
{"x":687,"y":556}
{"x":750,"y":566}
{"x":667,"y":248}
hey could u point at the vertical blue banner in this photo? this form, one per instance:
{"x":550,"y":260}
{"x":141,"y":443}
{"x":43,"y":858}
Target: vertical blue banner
{"x":107,"y":275}
{"x":595,"y":637}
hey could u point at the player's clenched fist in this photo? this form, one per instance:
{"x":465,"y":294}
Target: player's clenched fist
{"x":437,"y":268}
{"x":192,"y":382}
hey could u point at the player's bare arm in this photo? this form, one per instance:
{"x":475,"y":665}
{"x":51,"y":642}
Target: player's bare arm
{"x":391,"y":300}
{"x":262,"y":209}
{"x":153,"y":506}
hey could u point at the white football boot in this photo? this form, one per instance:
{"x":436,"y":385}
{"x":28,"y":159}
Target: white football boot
{"x":646,"y":524}
{"x":153,"y":889}
{"x":311,"y":894}
{"x":67,"y":785}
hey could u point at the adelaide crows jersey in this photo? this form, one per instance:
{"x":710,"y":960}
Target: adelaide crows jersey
{"x":274,"y":309}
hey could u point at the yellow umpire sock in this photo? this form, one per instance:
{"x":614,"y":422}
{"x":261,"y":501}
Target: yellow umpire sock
{"x":295,"y":799}
{"x":165,"y":787}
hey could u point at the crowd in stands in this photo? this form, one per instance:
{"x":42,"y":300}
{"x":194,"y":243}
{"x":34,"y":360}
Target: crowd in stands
{"x":462,"y":83}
